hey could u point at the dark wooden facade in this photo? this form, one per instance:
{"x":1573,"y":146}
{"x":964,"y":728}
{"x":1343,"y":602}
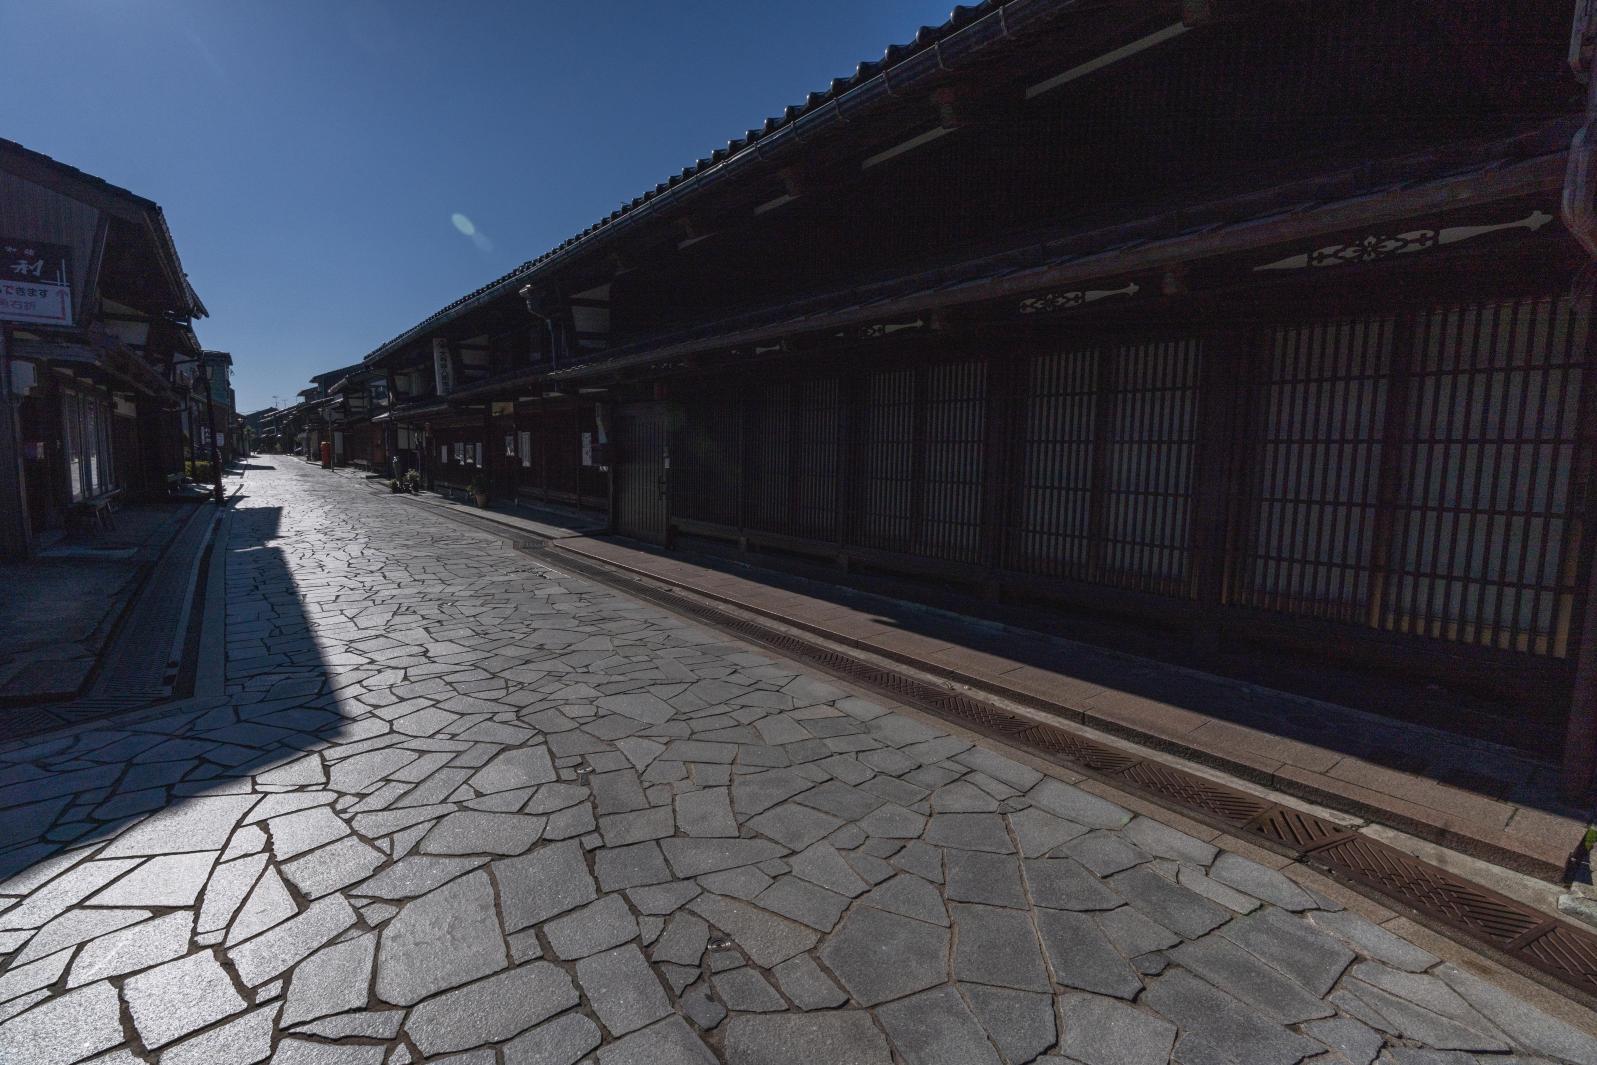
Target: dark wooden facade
{"x":1267,"y":322}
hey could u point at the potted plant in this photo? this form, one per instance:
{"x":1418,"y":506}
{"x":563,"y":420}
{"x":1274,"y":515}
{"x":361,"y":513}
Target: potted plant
{"x":412,"y":481}
{"x":479,"y":490}
{"x":394,"y":487}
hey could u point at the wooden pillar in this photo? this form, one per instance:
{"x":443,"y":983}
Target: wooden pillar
{"x":1230,"y":362}
{"x":1002,"y":464}
{"x":16,"y":540}
{"x":1580,"y":736}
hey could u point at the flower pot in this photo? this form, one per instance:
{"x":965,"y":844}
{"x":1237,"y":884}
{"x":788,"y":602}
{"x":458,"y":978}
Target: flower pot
{"x":481,"y":498}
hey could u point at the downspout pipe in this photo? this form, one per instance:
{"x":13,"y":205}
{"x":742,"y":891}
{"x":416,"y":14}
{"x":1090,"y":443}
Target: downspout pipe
{"x":1579,"y":211}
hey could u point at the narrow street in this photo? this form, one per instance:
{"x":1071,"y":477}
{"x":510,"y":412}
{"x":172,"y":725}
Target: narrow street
{"x":456,"y":807}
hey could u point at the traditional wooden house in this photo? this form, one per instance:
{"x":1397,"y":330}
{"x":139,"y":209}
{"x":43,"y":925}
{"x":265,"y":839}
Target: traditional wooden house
{"x":95,"y":318}
{"x":1268,"y":322}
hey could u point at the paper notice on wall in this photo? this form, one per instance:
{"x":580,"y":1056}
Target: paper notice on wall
{"x":587,"y":449}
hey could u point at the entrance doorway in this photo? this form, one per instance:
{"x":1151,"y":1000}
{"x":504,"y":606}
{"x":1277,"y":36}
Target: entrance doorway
{"x":642,"y":470}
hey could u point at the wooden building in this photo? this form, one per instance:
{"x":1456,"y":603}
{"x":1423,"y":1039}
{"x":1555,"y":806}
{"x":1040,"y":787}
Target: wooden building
{"x":1270,"y":322}
{"x":95,"y":321}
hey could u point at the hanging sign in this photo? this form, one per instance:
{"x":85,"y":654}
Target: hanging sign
{"x":35,"y":282}
{"x":443,"y":368}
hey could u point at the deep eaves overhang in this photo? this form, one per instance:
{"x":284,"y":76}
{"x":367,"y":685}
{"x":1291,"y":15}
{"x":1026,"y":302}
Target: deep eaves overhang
{"x":969,"y":35}
{"x":113,"y":199}
{"x":1182,"y":237}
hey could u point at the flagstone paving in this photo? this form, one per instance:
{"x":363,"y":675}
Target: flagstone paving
{"x":456,"y":807}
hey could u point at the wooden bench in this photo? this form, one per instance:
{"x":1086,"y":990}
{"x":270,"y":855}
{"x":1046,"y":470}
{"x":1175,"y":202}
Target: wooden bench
{"x":100,"y":509}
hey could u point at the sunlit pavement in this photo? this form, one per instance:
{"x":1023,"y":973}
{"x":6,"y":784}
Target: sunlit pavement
{"x":458,"y":807}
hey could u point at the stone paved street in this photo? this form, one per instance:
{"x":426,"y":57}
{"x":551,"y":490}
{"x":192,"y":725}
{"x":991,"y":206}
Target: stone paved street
{"x":459,"y":808}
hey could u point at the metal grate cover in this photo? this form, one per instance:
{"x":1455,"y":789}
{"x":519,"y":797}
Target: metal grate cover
{"x":1528,"y":939}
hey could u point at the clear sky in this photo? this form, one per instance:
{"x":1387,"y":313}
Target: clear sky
{"x":311,"y":155}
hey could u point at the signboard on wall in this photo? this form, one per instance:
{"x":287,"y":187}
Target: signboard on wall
{"x":443,"y":368}
{"x":35,"y":282}
{"x":587,"y":449}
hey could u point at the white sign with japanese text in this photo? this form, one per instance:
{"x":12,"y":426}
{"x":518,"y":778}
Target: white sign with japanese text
{"x":35,"y":282}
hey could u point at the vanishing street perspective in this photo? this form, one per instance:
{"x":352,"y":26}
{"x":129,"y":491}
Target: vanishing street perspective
{"x":1074,"y":543}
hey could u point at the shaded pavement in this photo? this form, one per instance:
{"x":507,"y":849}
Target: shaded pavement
{"x":455,"y":806}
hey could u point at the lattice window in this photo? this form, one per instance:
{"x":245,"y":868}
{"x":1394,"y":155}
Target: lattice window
{"x":1482,"y":535}
{"x":1313,"y":477}
{"x":886,"y":504}
{"x":1056,"y":464}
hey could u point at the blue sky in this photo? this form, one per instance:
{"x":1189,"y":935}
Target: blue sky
{"x":311,"y":154}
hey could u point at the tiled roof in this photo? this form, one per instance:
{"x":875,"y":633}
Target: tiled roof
{"x":152,"y":208}
{"x":927,"y":37}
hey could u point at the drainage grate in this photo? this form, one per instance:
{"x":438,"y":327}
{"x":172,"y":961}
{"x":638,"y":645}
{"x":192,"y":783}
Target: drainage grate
{"x":1525,"y":938}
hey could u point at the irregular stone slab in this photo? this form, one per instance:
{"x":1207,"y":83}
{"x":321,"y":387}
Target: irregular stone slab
{"x":1101,"y":1031}
{"x":997,"y":947}
{"x":490,"y":1010}
{"x":1293,"y":946}
{"x":1132,"y":933}
{"x":1519,"y":1020}
{"x":1171,"y":905}
{"x":1215,"y":1017}
{"x":268,"y":905}
{"x":64,"y":1029}
{"x":299,"y":832}
{"x":803,"y":982}
{"x":743,"y":883}
{"x":544,"y":884}
{"x":669,"y":1042}
{"x":803,"y":902}
{"x":706,"y":813}
{"x":137,"y":947}
{"x":634,"y":866}
{"x":1354,"y":1040}
{"x":892,"y":821}
{"x":1019,"y":1023}
{"x":478,"y":832}
{"x":659,"y":899}
{"x":333,"y":980}
{"x":598,"y":926}
{"x":639,"y":706}
{"x":1374,"y":941}
{"x":821,"y":864}
{"x":694,"y":857}
{"x":353,"y":774}
{"x":304,"y":1052}
{"x":683,"y":940}
{"x":179,"y":997}
{"x":334,"y":866}
{"x":973,"y":876}
{"x":558,"y":1042}
{"x":169,"y":880}
{"x":622,"y":989}
{"x":514,"y":769}
{"x":1082,"y":957}
{"x":936,"y":1028}
{"x":1251,"y":878}
{"x":200,"y":823}
{"x":1428,"y":1027}
{"x":909,"y":896}
{"x":845,"y":1037}
{"x":794,"y":826}
{"x":1224,"y":964}
{"x":764,"y":937}
{"x":1160,"y":839}
{"x":999,"y":767}
{"x":1073,"y":804}
{"x":225,"y":892}
{"x":617,"y":792}
{"x":72,"y":928}
{"x":1040,"y":831}
{"x":754,"y":793}
{"x":444,"y":939}
{"x":746,"y":991}
{"x":238,"y":1042}
{"x":618,"y":830}
{"x":881,"y":956}
{"x":1062,"y":884}
{"x":1105,"y":853}
{"x":417,"y":874}
{"x":977,"y":832}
